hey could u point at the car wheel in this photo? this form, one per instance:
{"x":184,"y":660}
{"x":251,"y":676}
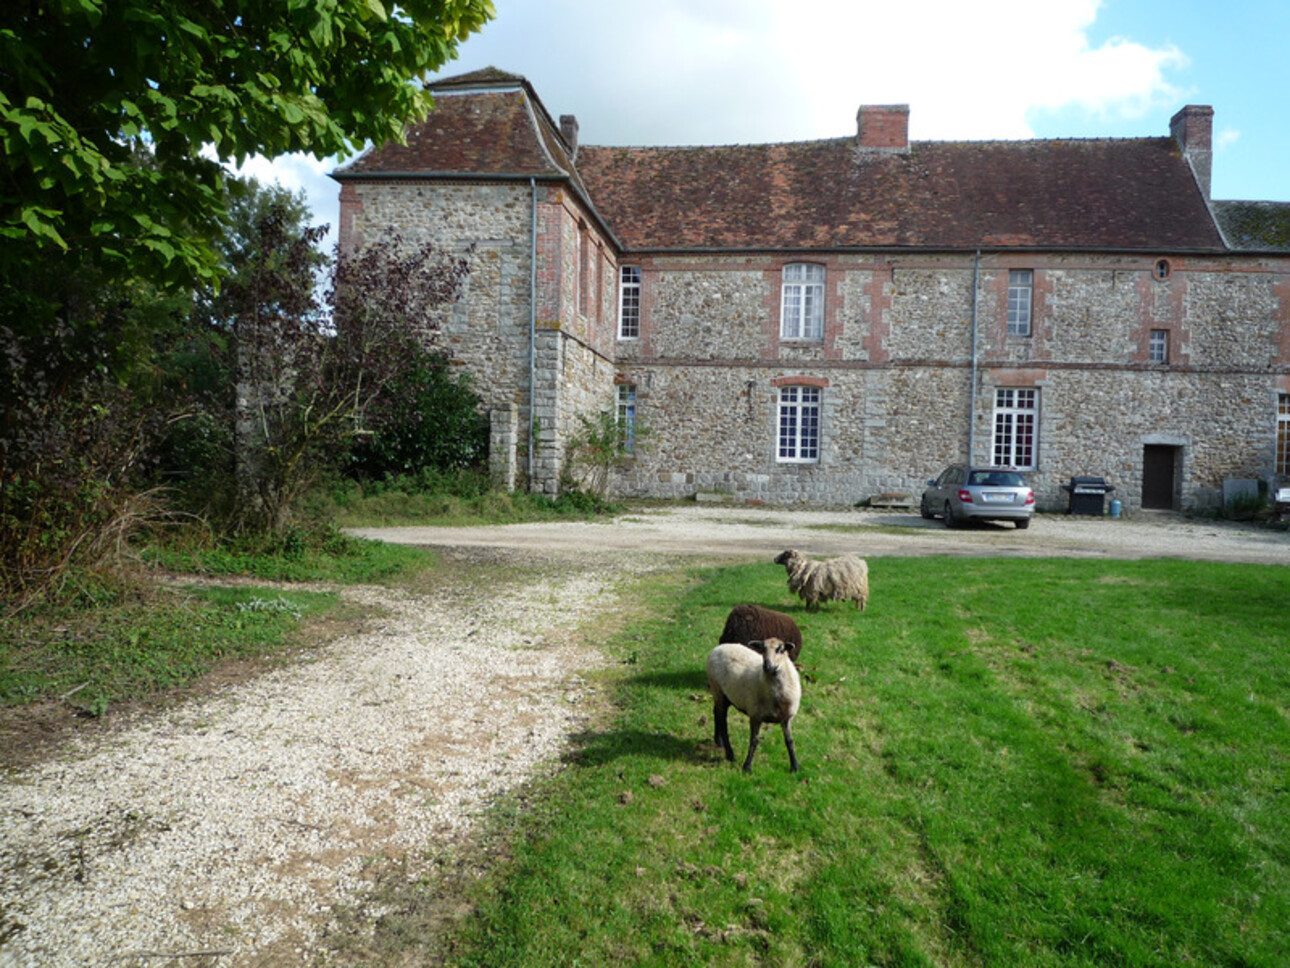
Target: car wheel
{"x":950,"y":520}
{"x":1023,"y":524}
{"x":925,"y":511}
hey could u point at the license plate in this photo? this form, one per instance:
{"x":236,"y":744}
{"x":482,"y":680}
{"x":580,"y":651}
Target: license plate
{"x":996,"y":497}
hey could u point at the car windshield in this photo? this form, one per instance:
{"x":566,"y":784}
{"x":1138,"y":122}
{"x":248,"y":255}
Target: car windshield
{"x":997,"y":479}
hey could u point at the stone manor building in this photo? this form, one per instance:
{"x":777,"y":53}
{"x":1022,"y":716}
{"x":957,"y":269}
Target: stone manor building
{"x":827,"y":321}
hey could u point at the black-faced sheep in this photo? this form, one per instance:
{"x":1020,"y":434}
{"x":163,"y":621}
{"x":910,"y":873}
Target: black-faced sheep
{"x":751,"y":623}
{"x":760,"y":680}
{"x":838,"y":579}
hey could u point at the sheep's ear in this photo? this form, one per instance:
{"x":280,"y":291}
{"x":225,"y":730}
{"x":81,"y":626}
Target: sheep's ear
{"x":759,"y":646}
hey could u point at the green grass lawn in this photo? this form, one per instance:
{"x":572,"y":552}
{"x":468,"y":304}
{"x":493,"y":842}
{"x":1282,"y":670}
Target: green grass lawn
{"x":121,"y":641}
{"x":1004,"y":763}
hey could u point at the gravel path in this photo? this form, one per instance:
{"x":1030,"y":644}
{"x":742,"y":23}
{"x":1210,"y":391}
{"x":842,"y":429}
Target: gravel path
{"x":225,"y":832}
{"x":757,"y":532}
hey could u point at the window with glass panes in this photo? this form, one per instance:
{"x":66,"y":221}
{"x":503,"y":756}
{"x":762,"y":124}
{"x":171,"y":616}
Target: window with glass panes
{"x":802,"y":316}
{"x":1016,"y":423}
{"x":1158,"y":346}
{"x":799,"y":424}
{"x":627,"y":414}
{"x":1021,"y":288}
{"x":629,"y":302}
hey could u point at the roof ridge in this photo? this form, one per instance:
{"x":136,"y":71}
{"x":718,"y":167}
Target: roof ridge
{"x":850,"y":139}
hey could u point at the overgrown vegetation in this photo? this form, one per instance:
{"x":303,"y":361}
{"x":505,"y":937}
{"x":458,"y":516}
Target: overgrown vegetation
{"x":452,"y":498}
{"x":141,"y":286}
{"x":131,"y":646}
{"x":1004,"y":763}
{"x":602,"y":441}
{"x":118,"y":636}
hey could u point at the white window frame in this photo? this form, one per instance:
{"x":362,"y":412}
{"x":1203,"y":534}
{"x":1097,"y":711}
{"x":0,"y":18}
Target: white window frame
{"x":629,"y":302}
{"x":1016,"y":427}
{"x":626,"y":414}
{"x":802,"y":302}
{"x":1021,"y":299}
{"x":1158,"y":346}
{"x":797,"y":429}
{"x":1283,"y":435}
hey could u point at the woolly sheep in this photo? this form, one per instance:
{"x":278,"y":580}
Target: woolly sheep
{"x":760,"y":680}
{"x":748,"y":623}
{"x":838,"y":579}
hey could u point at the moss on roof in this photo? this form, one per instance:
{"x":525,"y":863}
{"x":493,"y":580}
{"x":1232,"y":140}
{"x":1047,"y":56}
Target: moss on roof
{"x":1255,"y":226}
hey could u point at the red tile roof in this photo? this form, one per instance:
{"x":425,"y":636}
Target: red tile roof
{"x":495,"y":133}
{"x":1125,"y":194}
{"x":1121,"y":194}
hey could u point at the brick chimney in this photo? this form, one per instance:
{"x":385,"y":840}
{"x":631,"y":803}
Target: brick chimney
{"x":569,"y":131}
{"x":882,"y":129}
{"x":1193,"y":129}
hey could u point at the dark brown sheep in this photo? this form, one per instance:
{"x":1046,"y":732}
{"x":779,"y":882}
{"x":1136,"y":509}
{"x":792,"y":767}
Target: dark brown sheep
{"x":752,"y":623}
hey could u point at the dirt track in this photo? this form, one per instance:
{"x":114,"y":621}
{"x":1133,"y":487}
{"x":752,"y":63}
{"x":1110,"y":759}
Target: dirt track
{"x":719,"y":531}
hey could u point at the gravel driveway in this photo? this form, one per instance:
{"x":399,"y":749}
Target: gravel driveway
{"x":228,"y":831}
{"x":722,"y":531}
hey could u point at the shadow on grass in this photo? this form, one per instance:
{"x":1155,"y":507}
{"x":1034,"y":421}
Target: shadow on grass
{"x":600,"y":749}
{"x":693,"y":680}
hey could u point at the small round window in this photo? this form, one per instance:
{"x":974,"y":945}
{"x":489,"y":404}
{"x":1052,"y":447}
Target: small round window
{"x":1162,"y":269}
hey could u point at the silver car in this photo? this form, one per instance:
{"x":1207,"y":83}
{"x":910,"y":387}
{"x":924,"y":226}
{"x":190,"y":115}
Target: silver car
{"x":963,"y":493}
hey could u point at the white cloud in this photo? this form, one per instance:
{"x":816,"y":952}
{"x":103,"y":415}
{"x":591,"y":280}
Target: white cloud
{"x":719,"y":71}
{"x":1226,"y":138}
{"x":728,"y":71}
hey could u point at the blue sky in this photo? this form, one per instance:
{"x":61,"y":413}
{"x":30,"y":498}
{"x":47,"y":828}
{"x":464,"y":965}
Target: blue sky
{"x":748,"y":71}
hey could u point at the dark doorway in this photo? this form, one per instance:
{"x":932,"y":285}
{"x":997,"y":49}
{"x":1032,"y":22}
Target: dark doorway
{"x":1160,"y":464}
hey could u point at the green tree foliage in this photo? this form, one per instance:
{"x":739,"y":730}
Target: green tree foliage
{"x":310,"y":382}
{"x":116,"y":114}
{"x":433,"y":421}
{"x":197,"y":456}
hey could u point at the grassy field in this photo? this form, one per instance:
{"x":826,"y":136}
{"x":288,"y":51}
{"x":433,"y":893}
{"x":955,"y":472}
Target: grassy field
{"x":1004,"y":763}
{"x":124,"y":639}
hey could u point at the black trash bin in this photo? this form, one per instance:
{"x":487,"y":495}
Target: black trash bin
{"x":1087,"y":495}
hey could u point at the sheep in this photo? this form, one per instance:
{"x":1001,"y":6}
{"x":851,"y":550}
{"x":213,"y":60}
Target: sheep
{"x":837,"y":579}
{"x":760,"y":680}
{"x":747,"y":623}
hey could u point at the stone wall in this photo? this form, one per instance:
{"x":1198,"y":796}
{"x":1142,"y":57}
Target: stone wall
{"x":488,"y":332}
{"x":896,"y":363}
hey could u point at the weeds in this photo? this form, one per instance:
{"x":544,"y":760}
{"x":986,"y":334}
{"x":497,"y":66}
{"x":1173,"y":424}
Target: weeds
{"x":141,"y":642}
{"x":448,"y":499}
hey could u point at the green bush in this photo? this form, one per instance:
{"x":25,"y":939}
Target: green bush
{"x":432,"y":425}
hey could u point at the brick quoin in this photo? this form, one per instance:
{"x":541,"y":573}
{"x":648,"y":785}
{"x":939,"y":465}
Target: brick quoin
{"x":1147,"y":287}
{"x":1282,"y":291}
{"x":878,"y":324}
{"x":351,"y":208}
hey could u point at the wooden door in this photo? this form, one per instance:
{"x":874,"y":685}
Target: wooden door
{"x":1159,"y":477}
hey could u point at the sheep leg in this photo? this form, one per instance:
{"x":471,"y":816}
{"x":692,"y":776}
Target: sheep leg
{"x":788,"y":741}
{"x":753,"y":739}
{"x":721,"y":724}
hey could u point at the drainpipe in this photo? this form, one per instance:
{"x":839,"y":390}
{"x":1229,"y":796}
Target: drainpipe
{"x":532,"y":323}
{"x":976,"y":293}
